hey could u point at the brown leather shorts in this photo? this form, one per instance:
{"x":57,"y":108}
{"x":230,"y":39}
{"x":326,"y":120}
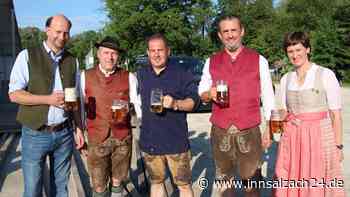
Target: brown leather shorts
{"x":179,"y":167}
{"x":112,"y":157}
{"x":236,"y":150}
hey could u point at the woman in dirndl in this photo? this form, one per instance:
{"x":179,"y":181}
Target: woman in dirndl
{"x":310,"y":151}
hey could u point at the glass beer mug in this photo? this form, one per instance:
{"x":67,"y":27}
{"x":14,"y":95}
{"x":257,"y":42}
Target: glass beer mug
{"x":70,"y":99}
{"x":222,"y":96}
{"x":120,"y":110}
{"x":91,"y":108}
{"x":157,"y":101}
{"x":276,"y":124}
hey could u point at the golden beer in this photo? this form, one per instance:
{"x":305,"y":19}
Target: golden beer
{"x":276,"y":126}
{"x":70,"y":99}
{"x":120,"y":111}
{"x":71,"y":106}
{"x":119,"y":114}
{"x":222,"y":96}
{"x":157,"y":107}
{"x":156,"y":101}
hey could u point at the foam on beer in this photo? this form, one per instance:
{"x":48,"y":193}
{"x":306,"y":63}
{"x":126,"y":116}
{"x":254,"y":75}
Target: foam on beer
{"x":70,"y":95}
{"x":115,"y":107}
{"x":221,"y":88}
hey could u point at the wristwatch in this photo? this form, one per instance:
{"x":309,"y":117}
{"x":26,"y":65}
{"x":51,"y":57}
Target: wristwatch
{"x":340,"y":146}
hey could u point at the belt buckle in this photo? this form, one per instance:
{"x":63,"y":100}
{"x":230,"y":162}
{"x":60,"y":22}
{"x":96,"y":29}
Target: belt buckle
{"x":55,"y":127}
{"x":52,"y":128}
{"x":232,"y":130}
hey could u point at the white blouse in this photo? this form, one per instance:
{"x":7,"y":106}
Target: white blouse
{"x":330,"y":85}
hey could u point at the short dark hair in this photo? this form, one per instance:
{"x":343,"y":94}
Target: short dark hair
{"x":294,"y":38}
{"x":157,"y":36}
{"x":49,"y":21}
{"x":229,"y":17}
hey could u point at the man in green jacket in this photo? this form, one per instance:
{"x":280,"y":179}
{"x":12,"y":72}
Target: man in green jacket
{"x":38,"y":78}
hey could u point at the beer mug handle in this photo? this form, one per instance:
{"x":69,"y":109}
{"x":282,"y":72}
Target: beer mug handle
{"x":90,"y":107}
{"x":162,"y":99}
{"x":132,"y":110}
{"x":86,"y":107}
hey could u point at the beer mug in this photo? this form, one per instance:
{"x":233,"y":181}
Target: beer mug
{"x":276,"y":124}
{"x":157,"y":101}
{"x":70,"y":99}
{"x":120,"y":110}
{"x":91,"y":108}
{"x":222,"y":97}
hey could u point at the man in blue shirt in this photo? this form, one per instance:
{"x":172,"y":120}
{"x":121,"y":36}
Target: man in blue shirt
{"x":37,"y":80}
{"x":164,"y":135}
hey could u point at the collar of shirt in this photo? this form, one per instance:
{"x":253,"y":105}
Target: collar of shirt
{"x":105,"y":72}
{"x":161,"y":72}
{"x":55,"y":57}
{"x":235,"y":54}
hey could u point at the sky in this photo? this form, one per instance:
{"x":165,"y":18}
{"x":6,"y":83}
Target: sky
{"x":84,"y":14}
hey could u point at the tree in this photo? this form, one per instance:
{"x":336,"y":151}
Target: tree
{"x":230,"y":7}
{"x":31,"y":36}
{"x":190,"y":26}
{"x":325,"y":42}
{"x":326,"y":21}
{"x":185,"y":24}
{"x":342,"y":19}
{"x":80,"y":44}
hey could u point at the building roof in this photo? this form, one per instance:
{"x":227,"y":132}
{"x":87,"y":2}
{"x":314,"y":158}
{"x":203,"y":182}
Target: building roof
{"x":9,"y":35}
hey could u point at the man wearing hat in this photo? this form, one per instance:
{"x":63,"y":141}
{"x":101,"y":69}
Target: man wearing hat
{"x":109,"y":139}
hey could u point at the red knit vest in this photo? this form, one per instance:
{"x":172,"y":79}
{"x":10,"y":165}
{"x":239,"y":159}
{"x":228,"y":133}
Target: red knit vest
{"x":242,"y":76}
{"x":104,"y":90}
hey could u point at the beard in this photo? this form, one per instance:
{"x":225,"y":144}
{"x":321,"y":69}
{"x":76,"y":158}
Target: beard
{"x":232,"y":47}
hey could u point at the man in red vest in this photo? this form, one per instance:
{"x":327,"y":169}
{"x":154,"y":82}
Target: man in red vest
{"x":108,"y":90}
{"x":236,"y":140}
